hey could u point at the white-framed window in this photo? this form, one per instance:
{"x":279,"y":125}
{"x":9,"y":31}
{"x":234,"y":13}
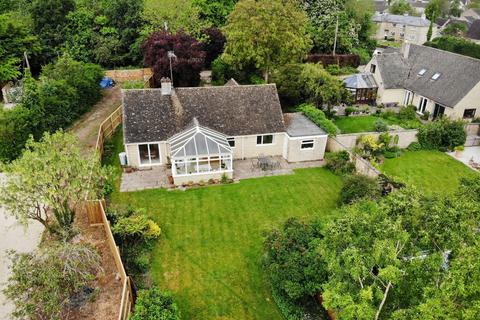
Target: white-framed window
{"x":199,"y":165}
{"x":408,"y":97}
{"x":265,"y":139}
{"x":149,"y":153}
{"x":422,"y":72}
{"x":307,"y":144}
{"x":231,"y":142}
{"x":436,"y":76}
{"x":423,"y":105}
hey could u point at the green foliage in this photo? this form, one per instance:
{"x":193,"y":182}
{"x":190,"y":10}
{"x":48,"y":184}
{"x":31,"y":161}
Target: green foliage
{"x":358,"y":187}
{"x":437,"y":9}
{"x":456,"y":45}
{"x":298,"y":83}
{"x":455,"y":29}
{"x":267,"y":34}
{"x":49,"y":181}
{"x":318,"y":117}
{"x":223,"y":71}
{"x":442,"y":134}
{"x":349,"y":110}
{"x":42,"y":283}
{"x":16,"y":38}
{"x":135,"y":229}
{"x":339,"y":162}
{"x":215,"y":12}
{"x":178,"y":14}
{"x":414,"y":146}
{"x":154,"y":304}
{"x":15,"y":128}
{"x":134,"y":84}
{"x":364,"y":54}
{"x":380,"y":125}
{"x":336,"y":70}
{"x":401,"y":7}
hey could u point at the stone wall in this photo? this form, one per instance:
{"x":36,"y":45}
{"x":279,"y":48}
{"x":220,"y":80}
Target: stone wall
{"x":473,"y":134}
{"x":350,"y":140}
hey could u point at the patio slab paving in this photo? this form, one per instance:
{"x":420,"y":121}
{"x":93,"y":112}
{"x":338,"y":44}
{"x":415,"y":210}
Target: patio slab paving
{"x":156,"y":177}
{"x":470,"y":153}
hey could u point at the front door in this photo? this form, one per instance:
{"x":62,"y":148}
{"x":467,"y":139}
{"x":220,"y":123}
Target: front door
{"x":438,"y":111}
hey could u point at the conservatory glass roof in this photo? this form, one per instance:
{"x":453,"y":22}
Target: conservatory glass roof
{"x":198,"y":141}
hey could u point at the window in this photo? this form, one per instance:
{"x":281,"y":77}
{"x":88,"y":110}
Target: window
{"x":422,"y":72}
{"x":469,"y":113}
{"x":373,"y":68}
{"x":436,"y":76}
{"x":149,"y":153}
{"x":265,"y":139}
{"x":423,"y":105}
{"x":307,"y":144}
{"x":231,"y":142}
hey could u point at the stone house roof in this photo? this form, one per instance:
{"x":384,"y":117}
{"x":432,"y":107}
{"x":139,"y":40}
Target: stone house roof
{"x":231,"y":110}
{"x":400,"y":19}
{"x":439,"y":75}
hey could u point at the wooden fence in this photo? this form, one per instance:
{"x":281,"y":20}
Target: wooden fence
{"x":107,"y":128}
{"x":96,"y":216}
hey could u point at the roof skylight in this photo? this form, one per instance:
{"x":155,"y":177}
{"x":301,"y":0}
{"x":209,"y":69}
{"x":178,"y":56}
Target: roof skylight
{"x":436,"y":76}
{"x":422,"y":72}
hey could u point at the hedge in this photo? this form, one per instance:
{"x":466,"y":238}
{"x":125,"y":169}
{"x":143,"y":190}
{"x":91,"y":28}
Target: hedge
{"x":318,"y":117}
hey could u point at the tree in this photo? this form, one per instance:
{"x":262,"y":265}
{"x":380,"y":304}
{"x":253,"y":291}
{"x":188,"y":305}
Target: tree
{"x":430,"y":31}
{"x":213,"y":45}
{"x":215,"y":12}
{"x":49,"y":19}
{"x":323,"y":16}
{"x":177,"y":14}
{"x":50,"y":181}
{"x":42,"y":283}
{"x":436,"y":9}
{"x":15,"y":38}
{"x":455,"y":8}
{"x":153,"y":304}
{"x":401,"y":7}
{"x":266,"y":33}
{"x":456,"y":45}
{"x":189,"y":61}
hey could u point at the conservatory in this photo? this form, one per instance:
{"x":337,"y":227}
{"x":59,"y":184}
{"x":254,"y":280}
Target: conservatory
{"x":200,"y":154}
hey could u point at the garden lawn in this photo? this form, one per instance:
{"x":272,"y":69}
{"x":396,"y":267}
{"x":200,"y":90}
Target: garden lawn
{"x":210,"y":251}
{"x":353,"y":124}
{"x":430,"y":171}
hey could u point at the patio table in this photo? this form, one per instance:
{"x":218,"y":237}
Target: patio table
{"x":264,"y":163}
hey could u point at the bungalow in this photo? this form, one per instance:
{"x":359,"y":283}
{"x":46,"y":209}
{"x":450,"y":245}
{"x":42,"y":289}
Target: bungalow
{"x":201,"y":131}
{"x":437,"y":82}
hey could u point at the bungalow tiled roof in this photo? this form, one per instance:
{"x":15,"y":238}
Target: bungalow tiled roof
{"x":231,"y":110}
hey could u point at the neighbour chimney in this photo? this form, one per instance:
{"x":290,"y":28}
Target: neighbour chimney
{"x":405,"y":49}
{"x":167,"y":87}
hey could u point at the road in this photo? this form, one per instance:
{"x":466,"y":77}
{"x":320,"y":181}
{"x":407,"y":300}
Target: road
{"x":13,"y":237}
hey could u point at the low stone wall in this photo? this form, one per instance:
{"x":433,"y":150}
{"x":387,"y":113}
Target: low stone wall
{"x":405,"y":138}
{"x":361,"y":165}
{"x":120,"y":76}
{"x":472,"y":129}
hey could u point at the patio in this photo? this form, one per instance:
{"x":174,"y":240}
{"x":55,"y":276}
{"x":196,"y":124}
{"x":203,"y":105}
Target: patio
{"x":157,"y":176}
{"x":470,"y":156}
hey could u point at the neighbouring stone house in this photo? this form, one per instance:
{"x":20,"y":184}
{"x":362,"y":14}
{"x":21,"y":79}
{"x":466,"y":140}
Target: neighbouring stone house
{"x":403,"y":28}
{"x":433,"y":80}
{"x":201,"y":131}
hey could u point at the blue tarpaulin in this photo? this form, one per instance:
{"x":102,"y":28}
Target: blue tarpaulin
{"x":107,"y":83}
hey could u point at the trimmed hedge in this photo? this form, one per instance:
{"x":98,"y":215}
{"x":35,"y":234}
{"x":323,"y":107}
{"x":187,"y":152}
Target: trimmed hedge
{"x":442,"y":134}
{"x":319,"y":118}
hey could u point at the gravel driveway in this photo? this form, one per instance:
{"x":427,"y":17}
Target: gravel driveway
{"x":16,"y":237}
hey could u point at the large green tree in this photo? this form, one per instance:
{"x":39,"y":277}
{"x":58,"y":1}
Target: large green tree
{"x":50,"y":181}
{"x":215,"y":12}
{"x":266,"y":33}
{"x":16,"y":38}
{"x":401,"y":7}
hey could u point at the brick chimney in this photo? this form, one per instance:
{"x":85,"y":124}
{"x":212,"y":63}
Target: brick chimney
{"x":167,"y":87}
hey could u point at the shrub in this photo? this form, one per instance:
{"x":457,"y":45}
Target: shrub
{"x":15,"y":127}
{"x":133,"y":84}
{"x":154,"y":304}
{"x":380,"y":125}
{"x":339,"y":162}
{"x":358,"y":187}
{"x":425,"y":115}
{"x":349,"y":110}
{"x":136,"y":229}
{"x":442,"y":134}
{"x":318,"y":117}
{"x":407,"y":113}
{"x":414,"y":146}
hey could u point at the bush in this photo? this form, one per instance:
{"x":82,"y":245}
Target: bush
{"x":358,"y":187}
{"x":318,"y":117}
{"x":380,"y":125}
{"x":407,"y":113}
{"x":349,"y":110}
{"x":133,"y":84}
{"x":136,"y":229}
{"x":339,"y":163}
{"x":414,"y":146}
{"x":336,"y":70}
{"x":457,"y":45}
{"x":442,"y":134}
{"x":15,"y":127}
{"x":154,"y":304}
